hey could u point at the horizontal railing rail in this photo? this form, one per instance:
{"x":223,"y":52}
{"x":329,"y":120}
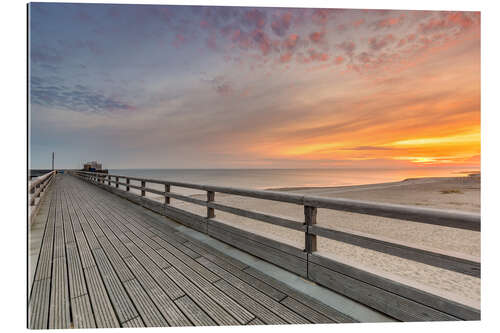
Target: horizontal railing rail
{"x":36,"y":189}
{"x":306,"y":261}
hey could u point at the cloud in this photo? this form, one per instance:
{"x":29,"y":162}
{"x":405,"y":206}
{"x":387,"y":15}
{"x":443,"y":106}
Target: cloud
{"x":367,"y":148}
{"x":286,"y":57}
{"x":43,"y":55}
{"x":377,"y":43}
{"x":78,"y":98}
{"x":317,"y":37}
{"x":262,"y":40}
{"x":321,"y":16}
{"x":348,"y":47}
{"x":338,"y":60}
{"x":450,"y":20}
{"x":291,"y":41}
{"x":358,"y":23}
{"x":318,"y":56}
{"x":389,"y":22}
{"x":281,"y":23}
{"x":255,"y":18}
{"x":221,"y":85}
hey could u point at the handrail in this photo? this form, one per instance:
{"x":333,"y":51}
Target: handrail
{"x":451,"y":261}
{"x":450,"y":218}
{"x":292,"y":257}
{"x":37,"y":189}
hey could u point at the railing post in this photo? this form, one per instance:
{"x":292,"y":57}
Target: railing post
{"x":210,"y":211}
{"x":167,"y":198}
{"x":128,"y":183}
{"x":143,"y":185}
{"x":109,"y":180}
{"x":310,"y":219}
{"x":116,"y":179}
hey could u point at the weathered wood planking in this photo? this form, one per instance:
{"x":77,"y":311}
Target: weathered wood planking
{"x":387,"y":295}
{"x":105,"y":263}
{"x":286,"y":256}
{"x":279,"y":254}
{"x":151,"y":235}
{"x":325,"y":310}
{"x":273,"y":306}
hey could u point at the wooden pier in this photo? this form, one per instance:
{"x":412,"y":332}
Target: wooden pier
{"x":104,"y":259}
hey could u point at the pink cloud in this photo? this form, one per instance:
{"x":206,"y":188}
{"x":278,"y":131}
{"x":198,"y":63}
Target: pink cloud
{"x":358,"y":23}
{"x":255,"y":18}
{"x":449,"y":20}
{"x":286,"y":57}
{"x":348,"y":47}
{"x":281,"y":23}
{"x":291,"y":41}
{"x":317,"y":56}
{"x":263,"y":42}
{"x":377,"y":43}
{"x":317,"y":37}
{"x":321,"y":16}
{"x":389,"y":22}
{"x":338,"y":60}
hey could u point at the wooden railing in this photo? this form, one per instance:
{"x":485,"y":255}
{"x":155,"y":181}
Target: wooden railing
{"x":390,"y":295}
{"x":37,"y":189}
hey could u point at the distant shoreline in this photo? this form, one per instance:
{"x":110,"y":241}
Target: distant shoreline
{"x":407,"y":181}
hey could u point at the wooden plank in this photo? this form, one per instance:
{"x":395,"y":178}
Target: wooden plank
{"x":391,"y":304}
{"x":77,"y":284}
{"x":288,"y":249}
{"x":101,"y":304}
{"x":191,"y":220}
{"x":258,"y":284}
{"x":163,"y":302}
{"x":322,"y":308}
{"x":236,"y":311}
{"x":38,"y":308}
{"x":81,"y":311}
{"x":165,"y":282}
{"x":206,"y":250}
{"x":214,"y":310}
{"x":124,"y":308}
{"x":434,"y":257}
{"x":194,"y":312}
{"x":134,"y":323}
{"x":251,"y":305}
{"x":447,"y":218}
{"x":274,"y":306}
{"x":438,"y":307}
{"x":256,"y":321}
{"x":305,"y":311}
{"x":239,"y":240}
{"x":59,"y":316}
{"x":151,"y":316}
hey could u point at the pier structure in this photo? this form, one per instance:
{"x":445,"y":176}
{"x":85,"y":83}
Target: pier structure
{"x":104,"y":256}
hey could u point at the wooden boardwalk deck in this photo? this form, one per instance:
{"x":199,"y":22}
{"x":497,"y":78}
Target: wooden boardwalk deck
{"x":104,"y":262}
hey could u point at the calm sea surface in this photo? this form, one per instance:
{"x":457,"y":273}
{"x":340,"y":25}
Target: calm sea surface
{"x":278,"y":178}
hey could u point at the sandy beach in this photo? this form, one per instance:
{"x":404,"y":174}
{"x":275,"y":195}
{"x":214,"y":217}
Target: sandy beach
{"x":455,"y":193}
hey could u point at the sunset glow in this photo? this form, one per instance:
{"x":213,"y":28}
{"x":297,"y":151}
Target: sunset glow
{"x":227,"y":87}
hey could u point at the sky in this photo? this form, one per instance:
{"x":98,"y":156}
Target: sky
{"x":156,"y":86}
